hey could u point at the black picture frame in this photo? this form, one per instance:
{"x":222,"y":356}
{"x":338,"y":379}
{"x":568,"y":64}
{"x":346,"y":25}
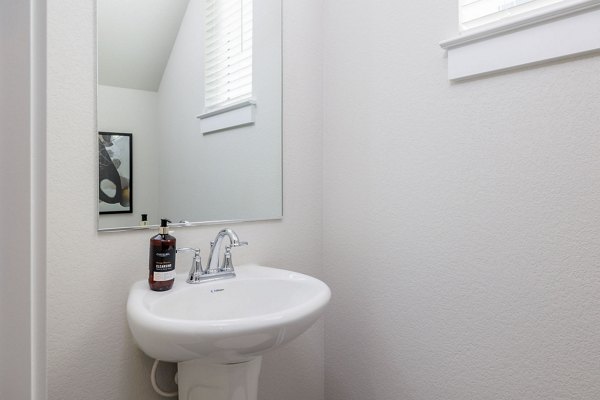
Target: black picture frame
{"x":115,"y":173}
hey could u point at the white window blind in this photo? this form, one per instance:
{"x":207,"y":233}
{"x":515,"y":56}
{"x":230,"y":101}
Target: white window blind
{"x":473,"y":13}
{"x":228,"y":53}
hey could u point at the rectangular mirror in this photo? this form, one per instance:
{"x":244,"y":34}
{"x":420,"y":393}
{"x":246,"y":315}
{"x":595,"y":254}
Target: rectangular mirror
{"x":195,"y":87}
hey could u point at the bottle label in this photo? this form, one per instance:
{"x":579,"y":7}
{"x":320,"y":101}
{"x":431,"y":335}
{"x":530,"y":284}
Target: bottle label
{"x":163,"y":276}
{"x":162,"y":265}
{"x":164,"y":270}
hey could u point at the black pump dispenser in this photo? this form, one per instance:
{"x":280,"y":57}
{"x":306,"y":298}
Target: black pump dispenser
{"x":164,"y":226}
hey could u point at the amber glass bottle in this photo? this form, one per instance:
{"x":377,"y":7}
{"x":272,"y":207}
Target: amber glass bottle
{"x":162,"y":259}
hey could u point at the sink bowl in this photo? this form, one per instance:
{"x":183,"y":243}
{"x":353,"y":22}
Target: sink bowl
{"x":225,"y":321}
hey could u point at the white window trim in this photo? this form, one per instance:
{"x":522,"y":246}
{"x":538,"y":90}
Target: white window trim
{"x":234,"y":115}
{"x":556,"y":31}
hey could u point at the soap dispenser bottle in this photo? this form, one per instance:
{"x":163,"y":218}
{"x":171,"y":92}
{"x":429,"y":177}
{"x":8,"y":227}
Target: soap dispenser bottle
{"x":162,"y":259}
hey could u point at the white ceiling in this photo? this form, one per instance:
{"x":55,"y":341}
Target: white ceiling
{"x":135,"y":38}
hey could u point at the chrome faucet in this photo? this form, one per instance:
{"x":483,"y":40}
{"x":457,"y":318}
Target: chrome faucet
{"x":215,"y":269}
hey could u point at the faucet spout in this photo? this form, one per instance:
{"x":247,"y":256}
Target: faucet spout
{"x":214,"y":262}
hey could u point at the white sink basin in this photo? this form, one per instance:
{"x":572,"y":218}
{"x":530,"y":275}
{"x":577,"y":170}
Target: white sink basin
{"x":226,"y":321}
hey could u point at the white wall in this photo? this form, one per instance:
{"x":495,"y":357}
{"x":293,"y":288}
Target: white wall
{"x":134,"y":111}
{"x":192,"y":164}
{"x":22,"y":204}
{"x":461,"y":221}
{"x":91,"y":354}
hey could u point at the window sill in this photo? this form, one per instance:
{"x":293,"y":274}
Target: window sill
{"x":553,"y":32}
{"x":232,"y":116}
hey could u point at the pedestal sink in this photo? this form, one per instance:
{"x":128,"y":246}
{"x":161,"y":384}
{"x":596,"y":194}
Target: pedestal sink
{"x":217,"y":331}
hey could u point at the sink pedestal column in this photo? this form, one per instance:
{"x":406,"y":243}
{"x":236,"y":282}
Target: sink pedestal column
{"x":202,"y":380}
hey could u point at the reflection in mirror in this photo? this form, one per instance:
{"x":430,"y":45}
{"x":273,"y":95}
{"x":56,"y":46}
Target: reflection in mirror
{"x":197,"y":83}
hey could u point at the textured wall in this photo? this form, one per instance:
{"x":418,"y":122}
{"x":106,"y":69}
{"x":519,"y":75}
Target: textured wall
{"x":91,"y":354}
{"x":461,"y":221}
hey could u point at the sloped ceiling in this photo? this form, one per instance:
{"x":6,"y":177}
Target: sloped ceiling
{"x":135,"y":38}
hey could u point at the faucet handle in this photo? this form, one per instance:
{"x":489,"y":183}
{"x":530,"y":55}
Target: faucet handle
{"x":227,"y":263}
{"x":196,"y":271}
{"x":188,"y":250}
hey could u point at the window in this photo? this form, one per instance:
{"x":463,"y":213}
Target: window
{"x":500,"y":35}
{"x":473,"y":13}
{"x":228,"y":53}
